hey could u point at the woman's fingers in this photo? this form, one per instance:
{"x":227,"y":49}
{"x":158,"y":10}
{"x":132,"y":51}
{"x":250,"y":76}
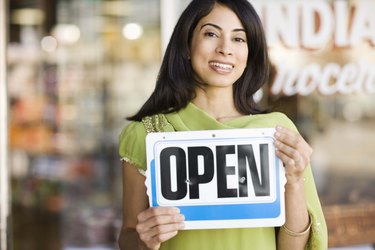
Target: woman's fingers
{"x":154,"y":224}
{"x":157,"y":211}
{"x":154,"y":243}
{"x":293,"y":139}
{"x":290,"y":152}
{"x":293,"y":151}
{"x":285,"y":158}
{"x":290,"y":156}
{"x":160,"y":232}
{"x":293,"y":146}
{"x":158,"y":224}
{"x":163,"y":237}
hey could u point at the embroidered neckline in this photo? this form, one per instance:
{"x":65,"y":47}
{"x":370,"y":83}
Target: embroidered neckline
{"x":154,"y":123}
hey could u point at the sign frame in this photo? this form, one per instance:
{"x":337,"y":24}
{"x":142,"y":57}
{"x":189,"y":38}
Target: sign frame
{"x":233,"y":213}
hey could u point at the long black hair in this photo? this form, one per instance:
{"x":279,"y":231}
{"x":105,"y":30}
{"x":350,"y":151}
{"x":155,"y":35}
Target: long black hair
{"x":176,"y":82}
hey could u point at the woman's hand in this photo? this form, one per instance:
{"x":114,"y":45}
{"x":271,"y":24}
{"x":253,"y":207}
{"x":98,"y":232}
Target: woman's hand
{"x":159,"y":224}
{"x":294,"y":152}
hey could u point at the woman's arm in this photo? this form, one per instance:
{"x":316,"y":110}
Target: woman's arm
{"x":144,"y":227}
{"x":295,"y":153}
{"x":134,"y":201}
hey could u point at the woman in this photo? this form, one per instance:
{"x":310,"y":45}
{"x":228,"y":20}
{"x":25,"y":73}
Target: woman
{"x":216,"y":60}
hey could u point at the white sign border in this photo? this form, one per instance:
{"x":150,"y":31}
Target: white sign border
{"x":278,"y":217}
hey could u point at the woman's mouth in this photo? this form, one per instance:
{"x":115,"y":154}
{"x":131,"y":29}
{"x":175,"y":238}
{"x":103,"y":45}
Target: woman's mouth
{"x":221,"y":67}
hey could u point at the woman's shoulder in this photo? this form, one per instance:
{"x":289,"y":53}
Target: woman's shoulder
{"x":278,"y":116}
{"x":139,"y":129}
{"x":132,"y":140}
{"x":133,"y":129}
{"x":273,"y":119}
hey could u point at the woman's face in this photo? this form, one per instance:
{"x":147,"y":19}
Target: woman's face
{"x":219,"y":48}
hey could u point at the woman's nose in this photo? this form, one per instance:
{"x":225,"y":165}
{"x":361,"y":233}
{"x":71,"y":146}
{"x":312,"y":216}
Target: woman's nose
{"x":224,"y":48}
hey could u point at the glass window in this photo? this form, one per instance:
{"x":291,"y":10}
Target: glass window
{"x":77,"y":68}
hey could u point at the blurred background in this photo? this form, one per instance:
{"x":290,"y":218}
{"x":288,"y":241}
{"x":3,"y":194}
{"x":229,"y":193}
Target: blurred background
{"x":77,"y":68}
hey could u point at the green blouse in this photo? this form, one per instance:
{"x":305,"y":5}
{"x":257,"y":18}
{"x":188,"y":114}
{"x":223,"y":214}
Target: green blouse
{"x":132,"y":148}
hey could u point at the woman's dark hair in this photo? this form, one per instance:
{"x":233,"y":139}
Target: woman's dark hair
{"x":176,"y":82}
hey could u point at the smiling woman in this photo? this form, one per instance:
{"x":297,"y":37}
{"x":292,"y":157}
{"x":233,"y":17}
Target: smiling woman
{"x":215,"y":62}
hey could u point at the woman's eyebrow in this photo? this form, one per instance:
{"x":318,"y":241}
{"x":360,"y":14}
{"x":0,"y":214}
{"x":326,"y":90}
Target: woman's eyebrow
{"x":219,"y":28}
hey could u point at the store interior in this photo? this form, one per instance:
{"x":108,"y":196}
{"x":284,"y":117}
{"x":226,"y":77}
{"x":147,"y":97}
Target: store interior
{"x":78,"y":68}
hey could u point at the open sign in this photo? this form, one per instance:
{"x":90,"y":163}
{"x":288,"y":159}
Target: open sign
{"x":217,"y":178}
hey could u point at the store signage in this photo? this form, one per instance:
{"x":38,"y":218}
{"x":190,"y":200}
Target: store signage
{"x":351,"y":78}
{"x":217,"y":178}
{"x":314,"y":24}
{"x":309,"y":26}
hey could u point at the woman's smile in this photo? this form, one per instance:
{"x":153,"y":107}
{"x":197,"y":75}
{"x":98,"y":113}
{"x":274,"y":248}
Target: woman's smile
{"x":221,"y":67}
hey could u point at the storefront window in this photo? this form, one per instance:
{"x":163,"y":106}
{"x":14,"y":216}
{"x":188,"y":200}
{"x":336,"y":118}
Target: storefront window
{"x":77,"y":68}
{"x":322,"y":55}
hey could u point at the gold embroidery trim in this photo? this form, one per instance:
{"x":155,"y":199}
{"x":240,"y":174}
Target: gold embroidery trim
{"x":154,"y":123}
{"x":126,"y":159}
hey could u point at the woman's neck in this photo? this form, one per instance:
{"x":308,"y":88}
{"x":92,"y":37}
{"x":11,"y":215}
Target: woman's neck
{"x":219,"y":104}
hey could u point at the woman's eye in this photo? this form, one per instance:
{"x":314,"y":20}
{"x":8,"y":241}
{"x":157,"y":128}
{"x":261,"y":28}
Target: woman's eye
{"x":210,"y":34}
{"x":239,"y":39}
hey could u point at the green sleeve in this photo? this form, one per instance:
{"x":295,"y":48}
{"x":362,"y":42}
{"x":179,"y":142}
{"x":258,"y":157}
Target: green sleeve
{"x":318,"y":239}
{"x":132,"y":145}
{"x":318,"y":234}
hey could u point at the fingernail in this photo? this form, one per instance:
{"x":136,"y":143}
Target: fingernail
{"x":176,"y":210}
{"x":181,"y":225}
{"x":277,"y":134}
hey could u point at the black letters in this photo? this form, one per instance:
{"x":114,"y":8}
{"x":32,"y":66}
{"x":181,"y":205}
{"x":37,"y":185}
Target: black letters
{"x":194,"y":177}
{"x":223,"y":170}
{"x":165,"y":173}
{"x":262,"y":185}
{"x":245,"y":157}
